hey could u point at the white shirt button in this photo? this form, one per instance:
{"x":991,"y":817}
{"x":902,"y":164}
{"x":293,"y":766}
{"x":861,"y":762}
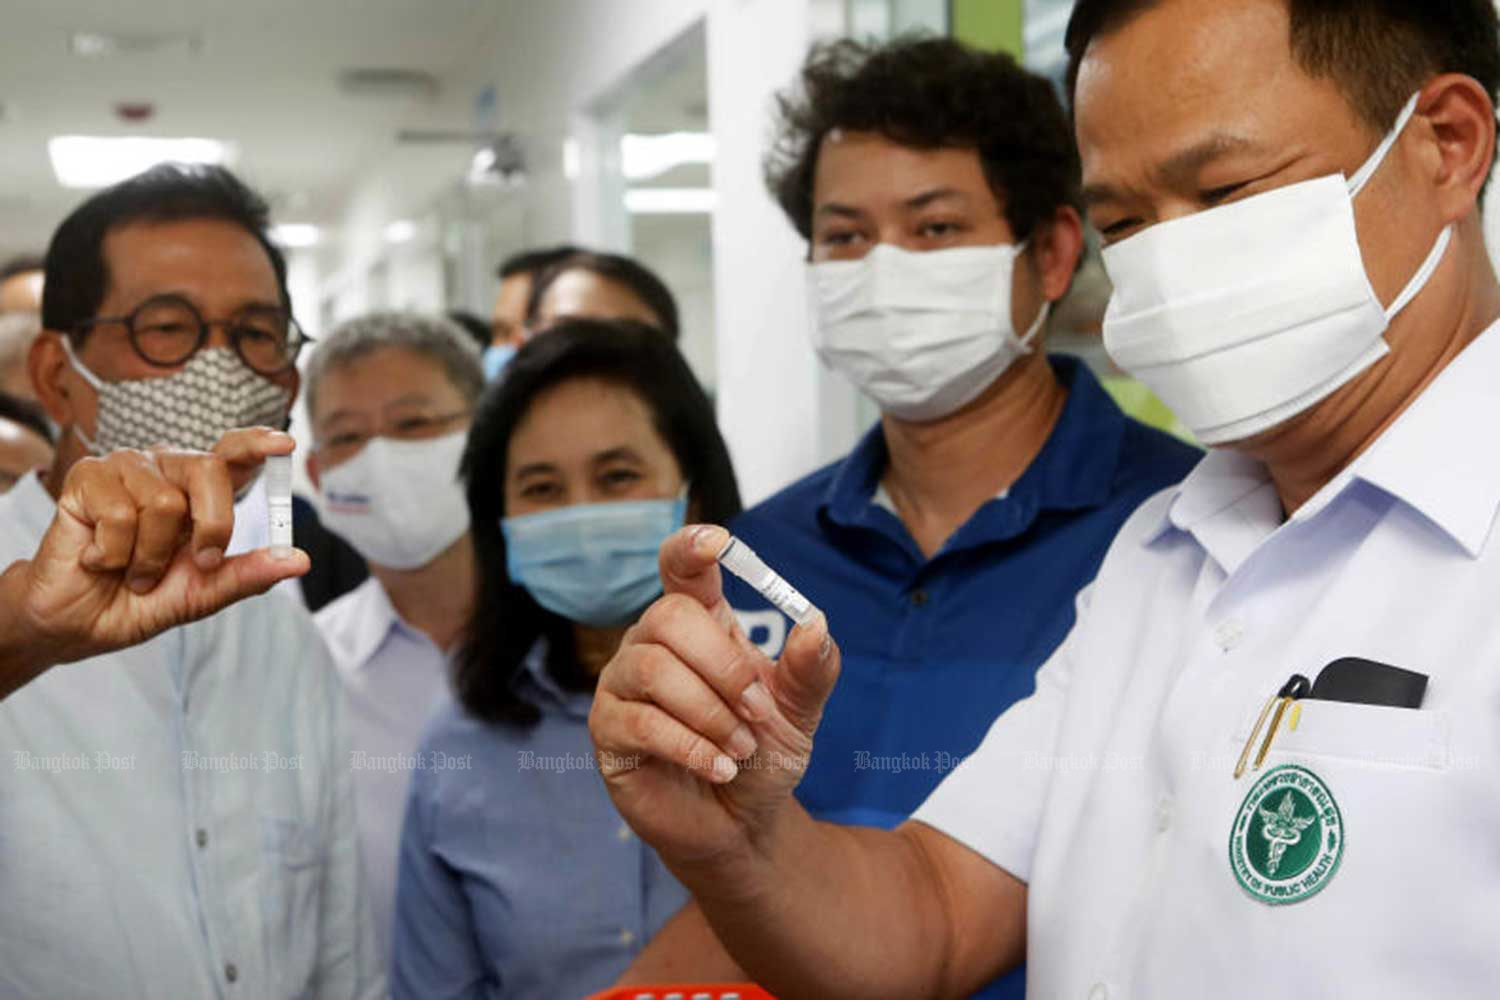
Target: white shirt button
{"x":1099,"y":992}
{"x":623,"y":833}
{"x":1164,"y":815}
{"x":201,"y":837}
{"x":231,"y":972}
{"x":1229,"y":633}
{"x":627,"y":936}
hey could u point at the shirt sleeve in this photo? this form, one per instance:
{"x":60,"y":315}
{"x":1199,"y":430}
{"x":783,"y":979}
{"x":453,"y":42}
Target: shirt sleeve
{"x":992,"y":802}
{"x":434,"y":952}
{"x":348,"y":960}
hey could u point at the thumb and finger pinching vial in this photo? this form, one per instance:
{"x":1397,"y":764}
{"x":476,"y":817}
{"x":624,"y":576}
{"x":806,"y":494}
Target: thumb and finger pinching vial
{"x":741,"y":560}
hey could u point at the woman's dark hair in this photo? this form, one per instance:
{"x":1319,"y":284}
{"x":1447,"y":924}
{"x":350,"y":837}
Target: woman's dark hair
{"x":627,"y":271}
{"x":77,"y":274}
{"x":929,"y":93}
{"x":506,"y":622}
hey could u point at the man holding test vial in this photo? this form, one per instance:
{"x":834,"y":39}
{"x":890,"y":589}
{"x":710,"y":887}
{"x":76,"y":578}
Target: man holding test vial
{"x":1293,"y":231}
{"x":178,"y":811}
{"x":937,"y":187}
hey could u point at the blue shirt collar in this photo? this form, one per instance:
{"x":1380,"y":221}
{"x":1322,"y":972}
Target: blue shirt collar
{"x":1074,"y":470}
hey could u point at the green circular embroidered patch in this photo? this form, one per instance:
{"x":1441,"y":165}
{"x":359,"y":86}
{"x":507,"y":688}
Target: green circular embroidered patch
{"x":1288,"y":837}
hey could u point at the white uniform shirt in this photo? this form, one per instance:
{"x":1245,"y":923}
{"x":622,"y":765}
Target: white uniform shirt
{"x":1111,"y":790}
{"x":177,"y":818}
{"x":394,"y":677}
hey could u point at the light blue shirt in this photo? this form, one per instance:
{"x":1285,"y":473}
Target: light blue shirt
{"x":518,"y":879}
{"x":177,"y":819}
{"x":393,"y":677}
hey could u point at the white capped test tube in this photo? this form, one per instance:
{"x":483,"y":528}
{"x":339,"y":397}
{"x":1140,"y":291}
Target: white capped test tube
{"x":742,"y":561}
{"x":279,"y":503}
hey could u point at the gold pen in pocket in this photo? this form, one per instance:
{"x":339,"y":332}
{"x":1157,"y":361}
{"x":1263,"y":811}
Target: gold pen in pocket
{"x":1296,"y":687}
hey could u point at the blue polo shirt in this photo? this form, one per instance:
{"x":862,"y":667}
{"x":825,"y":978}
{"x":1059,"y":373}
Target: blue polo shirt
{"x":935,"y":649}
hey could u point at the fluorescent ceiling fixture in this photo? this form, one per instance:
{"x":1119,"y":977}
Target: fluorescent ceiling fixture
{"x":103,"y":44}
{"x":400,"y":231}
{"x":572,"y":159}
{"x":646,"y":156}
{"x":670,"y":201}
{"x":296,"y":235}
{"x":96,"y":161}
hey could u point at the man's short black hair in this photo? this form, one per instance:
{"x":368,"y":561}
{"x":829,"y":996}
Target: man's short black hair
{"x":627,"y":271}
{"x":21,"y":264}
{"x":929,"y":93}
{"x":1377,"y":52}
{"x":77,"y":277}
{"x":471,"y":324}
{"x":26,"y":413}
{"x":535,"y":261}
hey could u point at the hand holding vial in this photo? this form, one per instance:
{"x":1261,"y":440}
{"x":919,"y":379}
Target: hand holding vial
{"x":136,"y":547}
{"x":702,"y":738}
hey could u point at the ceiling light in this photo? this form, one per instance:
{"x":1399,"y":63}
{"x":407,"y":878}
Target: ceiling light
{"x":400,"y":231}
{"x":670,"y":201}
{"x":296,"y":235}
{"x":646,"y":156}
{"x":95,"y":161}
{"x":103,"y":44}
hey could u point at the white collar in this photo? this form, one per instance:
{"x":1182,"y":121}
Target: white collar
{"x":1435,"y":459}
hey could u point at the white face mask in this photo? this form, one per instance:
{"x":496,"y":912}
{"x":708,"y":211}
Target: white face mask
{"x":922,"y":334}
{"x":399,"y":503}
{"x":1243,"y":316}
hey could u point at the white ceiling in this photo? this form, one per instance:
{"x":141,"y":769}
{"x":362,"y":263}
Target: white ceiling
{"x":264,"y":78}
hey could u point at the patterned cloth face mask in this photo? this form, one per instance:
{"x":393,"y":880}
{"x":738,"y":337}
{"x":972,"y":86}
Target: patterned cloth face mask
{"x":214,"y":393}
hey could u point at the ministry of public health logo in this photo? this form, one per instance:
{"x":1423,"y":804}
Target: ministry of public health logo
{"x":1288,"y":837}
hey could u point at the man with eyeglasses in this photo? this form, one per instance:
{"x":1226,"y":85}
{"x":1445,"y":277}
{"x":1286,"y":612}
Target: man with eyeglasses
{"x":176,"y":807}
{"x":390,"y":397}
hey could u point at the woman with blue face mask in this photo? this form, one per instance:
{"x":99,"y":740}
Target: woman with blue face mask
{"x":517,"y":877}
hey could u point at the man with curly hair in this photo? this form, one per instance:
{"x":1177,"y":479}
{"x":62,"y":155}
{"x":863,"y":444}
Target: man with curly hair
{"x":938,"y":189}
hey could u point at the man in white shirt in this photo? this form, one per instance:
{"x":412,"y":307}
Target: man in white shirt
{"x":176,"y":810}
{"x":1289,"y":194}
{"x":390,"y":397}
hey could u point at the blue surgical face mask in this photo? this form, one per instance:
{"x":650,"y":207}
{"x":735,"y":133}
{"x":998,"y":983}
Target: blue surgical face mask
{"x":594,"y":564}
{"x":495,"y":358}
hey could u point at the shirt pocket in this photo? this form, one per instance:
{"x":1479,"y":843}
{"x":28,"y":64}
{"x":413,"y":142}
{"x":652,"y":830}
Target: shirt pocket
{"x":1377,"y":735}
{"x":292,"y":865}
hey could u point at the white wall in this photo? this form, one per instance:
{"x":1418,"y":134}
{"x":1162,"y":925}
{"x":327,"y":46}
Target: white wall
{"x":551,"y":61}
{"x":546,"y":59}
{"x":768,"y":386}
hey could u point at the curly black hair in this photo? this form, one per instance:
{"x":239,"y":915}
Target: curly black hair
{"x":929,"y":93}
